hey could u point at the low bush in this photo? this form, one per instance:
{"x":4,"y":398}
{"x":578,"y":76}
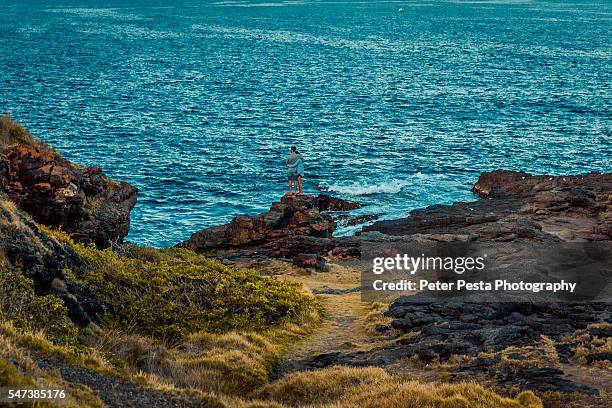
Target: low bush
{"x":29,"y":312}
{"x":171,"y":293}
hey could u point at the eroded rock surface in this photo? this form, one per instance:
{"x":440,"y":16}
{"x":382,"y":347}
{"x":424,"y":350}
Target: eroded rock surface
{"x":56,"y":192}
{"x":26,"y":249}
{"x":295,"y":225}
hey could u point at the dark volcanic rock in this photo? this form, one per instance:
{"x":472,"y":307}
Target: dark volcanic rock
{"x":492,"y":326}
{"x":293,"y":226}
{"x":56,"y":192}
{"x":519,"y":205}
{"x":544,"y":379}
{"x":328,"y":203}
{"x":313,"y":261}
{"x":437,"y":331}
{"x":27,"y":250}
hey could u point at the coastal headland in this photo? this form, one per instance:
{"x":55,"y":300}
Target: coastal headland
{"x":270,"y":311}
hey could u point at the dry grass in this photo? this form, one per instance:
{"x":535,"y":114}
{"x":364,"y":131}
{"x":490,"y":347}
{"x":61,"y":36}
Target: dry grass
{"x":587,"y":346}
{"x":234,"y":363}
{"x":12,"y":133}
{"x":234,"y":366}
{"x":39,"y":343}
{"x":374,"y":387}
{"x":542,"y":354}
{"x":18,"y":369}
{"x":375,"y":318}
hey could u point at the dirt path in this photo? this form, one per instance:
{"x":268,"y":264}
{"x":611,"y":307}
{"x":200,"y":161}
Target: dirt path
{"x":346,"y":325}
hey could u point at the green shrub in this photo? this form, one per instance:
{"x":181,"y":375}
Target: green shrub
{"x":28,"y":311}
{"x":170,"y":293}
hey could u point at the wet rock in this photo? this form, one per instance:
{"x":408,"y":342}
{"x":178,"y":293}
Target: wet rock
{"x":362,"y":219}
{"x":329,"y":203}
{"x":56,"y":192}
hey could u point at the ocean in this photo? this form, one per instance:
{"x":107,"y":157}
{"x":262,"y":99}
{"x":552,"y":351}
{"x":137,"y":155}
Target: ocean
{"x":196,"y":103}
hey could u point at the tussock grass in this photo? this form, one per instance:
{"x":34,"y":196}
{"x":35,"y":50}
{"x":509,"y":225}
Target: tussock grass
{"x":542,"y":354}
{"x":586,"y":346}
{"x":376,"y":317}
{"x":18,"y":369}
{"x":39,"y":342}
{"x":12,"y":133}
{"x":233,"y":363}
{"x":374,"y":387}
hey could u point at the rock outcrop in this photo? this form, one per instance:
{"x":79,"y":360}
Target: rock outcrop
{"x":25,"y":249}
{"x":518,"y":205}
{"x":56,"y":192}
{"x":515,"y":208}
{"x":295,"y":225}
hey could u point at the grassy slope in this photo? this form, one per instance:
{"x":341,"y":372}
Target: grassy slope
{"x":190,"y":327}
{"x":225,"y":362}
{"x":12,"y":133}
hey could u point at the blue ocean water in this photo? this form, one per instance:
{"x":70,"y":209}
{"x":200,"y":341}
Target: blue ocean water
{"x":197,"y":102}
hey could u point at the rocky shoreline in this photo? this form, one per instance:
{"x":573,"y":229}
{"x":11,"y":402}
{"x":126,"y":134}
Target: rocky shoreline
{"x":58,"y":193}
{"x":516,"y":213}
{"x":514,"y":207}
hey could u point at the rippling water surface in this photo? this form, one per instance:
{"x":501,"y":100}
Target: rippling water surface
{"x":197,"y":102}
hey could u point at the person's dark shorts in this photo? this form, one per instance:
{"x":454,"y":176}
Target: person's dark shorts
{"x":292,"y":177}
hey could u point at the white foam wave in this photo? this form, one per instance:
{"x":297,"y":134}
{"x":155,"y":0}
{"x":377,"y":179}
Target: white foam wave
{"x":362,"y":189}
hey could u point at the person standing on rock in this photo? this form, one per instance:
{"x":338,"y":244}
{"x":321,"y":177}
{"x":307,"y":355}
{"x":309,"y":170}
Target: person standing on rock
{"x":295,"y":170}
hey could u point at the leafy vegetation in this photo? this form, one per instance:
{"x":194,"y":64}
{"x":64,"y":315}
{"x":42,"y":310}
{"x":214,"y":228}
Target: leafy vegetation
{"x":171,"y":293}
{"x":29,"y":312}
